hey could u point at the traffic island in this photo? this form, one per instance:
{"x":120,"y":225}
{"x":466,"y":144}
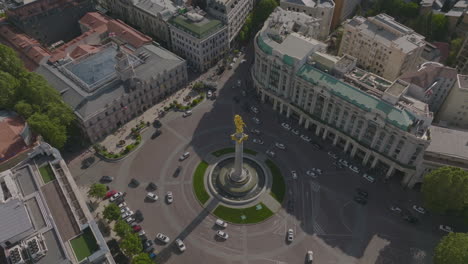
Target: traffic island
{"x":199,"y":183}
{"x":278,"y":187}
{"x":250,"y":215}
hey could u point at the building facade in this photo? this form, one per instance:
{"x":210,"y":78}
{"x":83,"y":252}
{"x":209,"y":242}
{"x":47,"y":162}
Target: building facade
{"x":199,"y":39}
{"x":231,"y":12}
{"x":381,"y":45}
{"x":454,"y":110}
{"x":431,"y":83}
{"x":344,"y":9}
{"x":462,"y":57}
{"x":371,"y":119}
{"x":322,"y":10}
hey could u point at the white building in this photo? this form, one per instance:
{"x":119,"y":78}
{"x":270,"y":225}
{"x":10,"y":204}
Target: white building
{"x":199,"y":39}
{"x":382,"y":45}
{"x":454,"y":111}
{"x":231,"y":12}
{"x":320,"y":9}
{"x":370,"y":118}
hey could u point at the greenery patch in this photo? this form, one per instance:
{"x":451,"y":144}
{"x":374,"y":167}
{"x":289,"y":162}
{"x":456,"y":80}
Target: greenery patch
{"x":84,"y":245}
{"x":47,"y":173}
{"x":251,"y":152}
{"x":278,"y":188}
{"x":249,"y":215}
{"x":199,"y":184}
{"x":222,"y":152}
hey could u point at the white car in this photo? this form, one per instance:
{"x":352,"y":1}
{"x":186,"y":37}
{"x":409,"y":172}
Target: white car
{"x":124,"y":209}
{"x":209,"y":94}
{"x":257,"y":141}
{"x":256,"y":120}
{"x":318,"y":171}
{"x":310,"y":256}
{"x":239,"y":83}
{"x":294,"y":175}
{"x":187,"y":113}
{"x":344,"y":162}
{"x":127,"y":214}
{"x":142,"y":233}
{"x":152,"y":196}
{"x":184,"y":156}
{"x":295,"y":131}
{"x":419,"y":209}
{"x":332,"y":155}
{"x":306,"y":138}
{"x":116,"y":196}
{"x":130,"y":220}
{"x":354,"y":168}
{"x":220,"y":223}
{"x":311,"y":173}
{"x":270,"y":153}
{"x":290,"y":235}
{"x":163,"y":238}
{"x":255,"y":131}
{"x":222,"y":234}
{"x":368,"y":178}
{"x":286,"y":126}
{"x":280,"y":146}
{"x":122,"y":204}
{"x":169,"y":197}
{"x":243,"y":60}
{"x":254,"y":109}
{"x":395,"y":209}
{"x":180,"y":245}
{"x":445,"y":228}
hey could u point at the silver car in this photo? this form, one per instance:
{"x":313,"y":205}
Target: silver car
{"x":290,"y":235}
{"x":163,"y":238}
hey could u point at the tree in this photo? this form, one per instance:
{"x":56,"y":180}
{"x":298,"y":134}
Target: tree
{"x":453,"y":249}
{"x":111,"y":212}
{"x":97,"y":191}
{"x":9,"y":62}
{"x":53,"y":132}
{"x":446,"y":189}
{"x":455,"y":46}
{"x":8,"y":86}
{"x":131,"y":245}
{"x":24,"y":109}
{"x":440,"y":27}
{"x":122,"y":229}
{"x":142,"y":258}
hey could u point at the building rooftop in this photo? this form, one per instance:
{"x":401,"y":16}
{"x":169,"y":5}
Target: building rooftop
{"x":462,"y":81}
{"x":16,"y":136}
{"x":196,"y":25}
{"x":14,"y":218}
{"x":165,"y":8}
{"x":429,"y":73}
{"x":448,"y":142}
{"x":313,"y":3}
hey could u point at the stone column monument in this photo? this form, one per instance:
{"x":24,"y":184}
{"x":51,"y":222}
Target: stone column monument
{"x":238,"y":174}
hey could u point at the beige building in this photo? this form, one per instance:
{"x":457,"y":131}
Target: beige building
{"x":382,"y":45}
{"x":370,"y":118}
{"x":454,"y":111}
{"x":344,"y":9}
{"x":322,"y":10}
{"x":231,"y":12}
{"x":199,"y":39}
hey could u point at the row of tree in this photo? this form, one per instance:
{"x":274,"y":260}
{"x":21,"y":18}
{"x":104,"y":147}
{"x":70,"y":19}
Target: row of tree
{"x":33,"y":98}
{"x":256,"y":19}
{"x":445,"y":191}
{"x":130,"y":242}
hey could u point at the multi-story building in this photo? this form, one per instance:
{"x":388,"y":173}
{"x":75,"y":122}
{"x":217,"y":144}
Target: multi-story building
{"x":454,"y":111}
{"x":462,"y":57}
{"x":48,"y":21}
{"x":321,"y":9}
{"x":44,"y":217}
{"x":431,"y":83}
{"x":231,"y":12}
{"x":150,"y":16}
{"x":112,"y":73}
{"x":381,"y":45}
{"x":344,"y":9}
{"x":367,"y":116}
{"x":199,"y":39}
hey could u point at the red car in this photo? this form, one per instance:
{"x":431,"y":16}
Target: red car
{"x":110,"y":193}
{"x":136,"y":228}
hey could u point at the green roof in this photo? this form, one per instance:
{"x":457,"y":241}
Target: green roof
{"x":263,"y":46}
{"x":397,"y":117}
{"x":198,"y":29}
{"x":288,"y":60}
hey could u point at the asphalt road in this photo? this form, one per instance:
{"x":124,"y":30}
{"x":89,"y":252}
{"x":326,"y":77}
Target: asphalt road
{"x":324,"y":217}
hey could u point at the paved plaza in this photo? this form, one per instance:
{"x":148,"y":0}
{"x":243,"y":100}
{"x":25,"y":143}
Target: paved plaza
{"x":323,"y":215}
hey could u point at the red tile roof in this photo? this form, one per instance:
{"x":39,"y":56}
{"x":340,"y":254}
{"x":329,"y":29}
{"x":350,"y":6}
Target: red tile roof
{"x":128,"y":34}
{"x":94,"y":20}
{"x":11,"y":142}
{"x":444,"y":48}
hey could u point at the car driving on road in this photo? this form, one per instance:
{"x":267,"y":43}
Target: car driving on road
{"x":184,"y":156}
{"x":286,"y":126}
{"x":163,"y":238}
{"x":180,"y":245}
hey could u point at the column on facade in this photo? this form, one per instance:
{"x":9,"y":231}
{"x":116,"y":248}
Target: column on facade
{"x":366,"y":158}
{"x":376,"y":137}
{"x":354,"y":150}
{"x":325,"y":132}
{"x":363,"y":130}
{"x":301,"y":119}
{"x":390,"y":171}
{"x":263,"y":97}
{"x":317,"y":130}
{"x":335,"y":140}
{"x":288,"y":111}
{"x":324,"y":109}
{"x":347,"y":145}
{"x":281,"y":107}
{"x":275,"y":104}
{"x":374,"y":162}
{"x":312,"y":105}
{"x":307,"y":123}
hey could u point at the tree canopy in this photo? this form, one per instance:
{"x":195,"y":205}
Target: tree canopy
{"x":131,"y":245}
{"x":97,"y":190}
{"x":446,"y":189}
{"x":33,"y":98}
{"x":142,"y":258}
{"x":256,"y":18}
{"x":111,"y":212}
{"x":453,"y":249}
{"x":121,"y":228}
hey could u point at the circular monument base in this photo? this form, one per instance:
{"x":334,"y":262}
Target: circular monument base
{"x":237,"y":188}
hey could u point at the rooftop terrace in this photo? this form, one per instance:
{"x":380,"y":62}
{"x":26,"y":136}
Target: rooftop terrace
{"x":199,"y":29}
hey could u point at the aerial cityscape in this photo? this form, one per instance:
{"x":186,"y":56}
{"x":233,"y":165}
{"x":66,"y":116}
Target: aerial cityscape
{"x":234,"y":131}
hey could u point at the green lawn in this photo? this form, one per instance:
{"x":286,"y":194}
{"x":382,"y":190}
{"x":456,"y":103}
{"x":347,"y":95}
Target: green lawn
{"x":225,"y":151}
{"x":84,"y":245}
{"x":254,"y":214}
{"x":198,"y":183}
{"x":251,"y":152}
{"x":47,"y":173}
{"x":278,"y":188}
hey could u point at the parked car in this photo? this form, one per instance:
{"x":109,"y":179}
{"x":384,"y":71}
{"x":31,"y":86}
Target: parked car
{"x":354,"y":168}
{"x":368,"y":178}
{"x":318,"y":171}
{"x":239,"y":83}
{"x":270,"y":153}
{"x":152,"y":196}
{"x":152,"y":186}
{"x":148,"y":245}
{"x":130,"y":220}
{"x":294,"y":175}
{"x":395,"y":208}
{"x":280,"y":145}
{"x":184,"y":156}
{"x":286,"y":126}
{"x":411,"y":219}
{"x":254,"y":109}
{"x":310,"y":256}
{"x":116,"y":196}
{"x":445,"y":228}
{"x":255,"y":131}
{"x":290,"y":235}
{"x":136,"y":228}
{"x":187,"y":113}
{"x":163,"y":238}
{"x":222,"y":234}
{"x":138,"y":216}
{"x":156,"y":134}
{"x":362,"y":192}
{"x":332,"y":155}
{"x":142,"y":233}
{"x":122,"y":204}
{"x":106,"y":179}
{"x":109,"y":194}
{"x":295,"y":132}
{"x":419,"y":209}
{"x":256,"y":120}
{"x":311,"y":173}
{"x":360,"y":200}
{"x":180,"y":245}
{"x":257,"y":141}
{"x":209,"y":94}
{"x":126,"y":214}
{"x":306,"y":138}
{"x":177,"y":171}
{"x":124,"y":209}
{"x":169,"y":197}
{"x":317,"y":146}
{"x":220,"y":223}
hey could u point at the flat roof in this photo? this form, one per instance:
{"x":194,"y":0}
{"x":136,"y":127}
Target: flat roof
{"x":199,"y":29}
{"x":54,"y":253}
{"x":449,"y":142}
{"x":312,"y":3}
{"x":397,"y":117}
{"x":14,"y":219}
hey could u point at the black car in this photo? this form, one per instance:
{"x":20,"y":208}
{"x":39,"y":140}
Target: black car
{"x":105,"y":179}
{"x":360,"y":200}
{"x":156,"y":134}
{"x":177,"y":171}
{"x":362,"y":192}
{"x":134,"y":182}
{"x":236,"y":99}
{"x":411,"y":219}
{"x":148,"y":245}
{"x":138,"y":216}
{"x":151,"y":186}
{"x":157,"y":123}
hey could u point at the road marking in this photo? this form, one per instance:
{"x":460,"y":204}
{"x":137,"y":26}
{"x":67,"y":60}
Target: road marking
{"x":318,"y":229}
